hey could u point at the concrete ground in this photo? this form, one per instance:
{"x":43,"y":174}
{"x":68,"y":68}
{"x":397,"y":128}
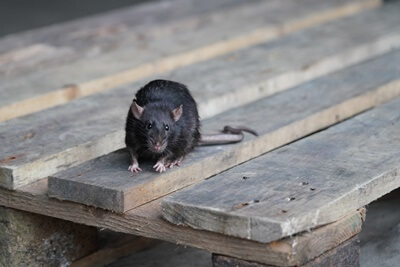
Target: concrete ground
{"x":380,"y":237}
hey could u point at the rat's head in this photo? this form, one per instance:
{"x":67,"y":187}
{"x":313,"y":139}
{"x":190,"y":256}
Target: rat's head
{"x":157,"y":124}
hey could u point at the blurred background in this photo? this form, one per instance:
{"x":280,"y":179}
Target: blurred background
{"x":22,"y":15}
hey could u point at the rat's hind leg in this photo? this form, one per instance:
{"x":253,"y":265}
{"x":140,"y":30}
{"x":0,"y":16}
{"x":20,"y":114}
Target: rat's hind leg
{"x":134,"y":167}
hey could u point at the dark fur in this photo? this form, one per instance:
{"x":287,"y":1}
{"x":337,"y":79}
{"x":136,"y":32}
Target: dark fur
{"x":159,"y":98}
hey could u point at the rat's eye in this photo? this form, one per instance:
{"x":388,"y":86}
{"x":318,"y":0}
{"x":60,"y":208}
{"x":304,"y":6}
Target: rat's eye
{"x":167,"y":127}
{"x":149,"y":125}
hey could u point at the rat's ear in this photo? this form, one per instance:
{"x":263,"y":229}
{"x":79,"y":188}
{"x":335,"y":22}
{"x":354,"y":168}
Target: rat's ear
{"x":177,"y":113}
{"x":136,"y":110}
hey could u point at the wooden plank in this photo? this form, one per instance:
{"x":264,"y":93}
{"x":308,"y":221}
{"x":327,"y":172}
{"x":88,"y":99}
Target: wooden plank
{"x":105,"y":182}
{"x":146,"y":221}
{"x":138,"y":58}
{"x":346,"y":254}
{"x":308,"y":183}
{"x":217,"y":85}
{"x":84,"y":34}
{"x":99,"y":34}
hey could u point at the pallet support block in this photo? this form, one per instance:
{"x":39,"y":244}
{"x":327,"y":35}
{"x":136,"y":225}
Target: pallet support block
{"x":28,"y":239}
{"x":346,"y":254}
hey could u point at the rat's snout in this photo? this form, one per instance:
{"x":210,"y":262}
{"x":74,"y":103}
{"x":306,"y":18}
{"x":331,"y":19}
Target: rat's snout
{"x":158,"y":146}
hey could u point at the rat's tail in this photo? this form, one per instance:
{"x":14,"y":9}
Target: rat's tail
{"x":229,"y":135}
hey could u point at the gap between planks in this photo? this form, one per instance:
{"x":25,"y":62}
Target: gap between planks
{"x":68,"y":93}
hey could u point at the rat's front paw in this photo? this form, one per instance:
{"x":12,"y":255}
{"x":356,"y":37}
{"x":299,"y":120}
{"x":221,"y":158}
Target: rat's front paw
{"x":134,"y":168}
{"x":176,"y":162}
{"x":160,"y":167}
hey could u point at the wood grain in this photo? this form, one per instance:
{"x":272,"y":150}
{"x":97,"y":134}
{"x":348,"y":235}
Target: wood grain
{"x":146,"y":221}
{"x":99,"y":34}
{"x":311,"y":182}
{"x":142,"y":54}
{"x":105,"y":182}
{"x":43,"y":143}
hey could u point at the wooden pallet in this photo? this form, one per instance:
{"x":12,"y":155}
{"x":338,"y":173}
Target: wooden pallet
{"x":294,"y":68}
{"x":104,"y":182}
{"x":25,"y":159}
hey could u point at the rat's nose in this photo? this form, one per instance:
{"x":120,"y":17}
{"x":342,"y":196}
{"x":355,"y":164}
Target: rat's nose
{"x":157,"y":146}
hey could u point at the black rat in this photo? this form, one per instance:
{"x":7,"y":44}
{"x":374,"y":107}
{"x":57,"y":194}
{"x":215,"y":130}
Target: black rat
{"x":163,"y":123}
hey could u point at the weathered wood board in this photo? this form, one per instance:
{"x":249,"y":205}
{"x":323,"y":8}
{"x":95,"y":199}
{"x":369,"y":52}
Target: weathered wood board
{"x":43,"y":143}
{"x":99,"y":34}
{"x":311,"y":182}
{"x":280,"y":119}
{"x":147,"y":221}
{"x":142,"y":53}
